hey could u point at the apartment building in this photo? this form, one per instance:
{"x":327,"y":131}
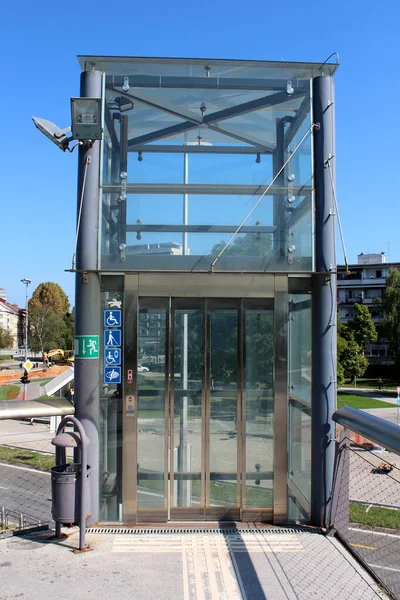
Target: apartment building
{"x":12,"y":318}
{"x":365,"y":283}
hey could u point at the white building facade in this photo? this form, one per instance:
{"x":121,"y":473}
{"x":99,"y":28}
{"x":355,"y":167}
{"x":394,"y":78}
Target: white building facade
{"x":365,"y":283}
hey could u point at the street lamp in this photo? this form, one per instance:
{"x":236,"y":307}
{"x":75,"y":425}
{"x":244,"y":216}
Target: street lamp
{"x":26,"y":282}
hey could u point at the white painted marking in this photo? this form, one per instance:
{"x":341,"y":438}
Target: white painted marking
{"x":24,"y":469}
{"x":374,"y":532}
{"x":185,"y":572}
{"x":3,"y":488}
{"x":386,"y":568}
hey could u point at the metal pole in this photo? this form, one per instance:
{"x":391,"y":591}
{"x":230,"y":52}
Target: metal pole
{"x":185,"y":203}
{"x":26,"y":282}
{"x":87,"y":294}
{"x":324,"y":303}
{"x":26,"y":321}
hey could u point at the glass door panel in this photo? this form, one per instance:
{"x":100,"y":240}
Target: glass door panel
{"x":222,"y":423}
{"x":187,"y":406}
{"x":151,"y":413}
{"x":259,"y":410}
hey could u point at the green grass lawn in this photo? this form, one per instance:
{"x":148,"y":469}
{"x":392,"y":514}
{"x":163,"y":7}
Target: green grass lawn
{"x":365,"y":382}
{"x":5,"y":357}
{"x":9,"y":392}
{"x":361,"y":402}
{"x":376,"y":516}
{"x":19,"y":456}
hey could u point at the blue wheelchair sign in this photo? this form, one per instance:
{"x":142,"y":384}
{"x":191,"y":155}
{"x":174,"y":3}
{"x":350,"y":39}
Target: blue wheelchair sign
{"x":112,"y":374}
{"x":112,"y":338}
{"x":112,"y":356}
{"x":112,"y":318}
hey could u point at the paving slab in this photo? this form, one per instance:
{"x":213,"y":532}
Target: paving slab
{"x":176,"y":566}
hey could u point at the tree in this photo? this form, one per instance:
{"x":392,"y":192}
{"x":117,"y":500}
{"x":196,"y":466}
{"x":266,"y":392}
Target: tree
{"x":361,"y":327}
{"x":351,"y":341}
{"x":391,"y":313}
{"x":69,"y":321}
{"x":351,"y":359}
{"x":6,"y":339}
{"x":52,"y":295}
{"x":46,"y":329}
{"x":250,"y":244}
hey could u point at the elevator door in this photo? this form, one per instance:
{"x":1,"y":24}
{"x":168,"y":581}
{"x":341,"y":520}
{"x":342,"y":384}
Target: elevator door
{"x":205,"y":410}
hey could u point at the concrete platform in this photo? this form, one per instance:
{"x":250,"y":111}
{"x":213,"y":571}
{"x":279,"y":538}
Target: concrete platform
{"x":276,"y":565}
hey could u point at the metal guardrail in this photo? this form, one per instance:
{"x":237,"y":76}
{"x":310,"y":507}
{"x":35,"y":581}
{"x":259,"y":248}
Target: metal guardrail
{"x":26,"y":409}
{"x":366,"y":495}
{"x":377,"y":430}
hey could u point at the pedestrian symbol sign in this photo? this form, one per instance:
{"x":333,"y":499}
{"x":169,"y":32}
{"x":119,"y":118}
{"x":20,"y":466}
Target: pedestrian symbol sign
{"x":112,"y":337}
{"x":112,"y":374}
{"x":112,"y":356}
{"x":86,"y":346}
{"x":112,"y":318}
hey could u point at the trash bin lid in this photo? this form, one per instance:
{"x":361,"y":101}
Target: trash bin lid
{"x":67,"y":439}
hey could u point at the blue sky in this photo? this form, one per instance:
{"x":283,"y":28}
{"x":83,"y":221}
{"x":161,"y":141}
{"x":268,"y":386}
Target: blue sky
{"x":39,"y":44}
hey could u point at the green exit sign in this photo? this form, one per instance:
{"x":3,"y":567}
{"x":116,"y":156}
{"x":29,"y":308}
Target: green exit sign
{"x":86,"y":346}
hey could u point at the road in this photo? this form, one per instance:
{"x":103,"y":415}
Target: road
{"x":26,"y":491}
{"x":381,"y":551}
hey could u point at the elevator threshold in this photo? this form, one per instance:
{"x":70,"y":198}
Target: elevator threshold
{"x":225,"y":528}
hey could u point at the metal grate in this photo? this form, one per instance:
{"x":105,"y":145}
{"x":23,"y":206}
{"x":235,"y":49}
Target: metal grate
{"x":199,"y":530}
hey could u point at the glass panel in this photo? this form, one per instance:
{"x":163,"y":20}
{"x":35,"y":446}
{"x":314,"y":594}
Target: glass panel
{"x":300,"y":450}
{"x":188,"y":369}
{"x":259,"y":352}
{"x":110,"y":419}
{"x":300,"y":347}
{"x":223,"y":383}
{"x":253,"y":124}
{"x":300,"y":400}
{"x":151,"y":407}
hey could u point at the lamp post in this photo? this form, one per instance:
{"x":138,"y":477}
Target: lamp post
{"x":26,"y":282}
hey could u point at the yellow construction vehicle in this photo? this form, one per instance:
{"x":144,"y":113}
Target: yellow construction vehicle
{"x":59,"y":357}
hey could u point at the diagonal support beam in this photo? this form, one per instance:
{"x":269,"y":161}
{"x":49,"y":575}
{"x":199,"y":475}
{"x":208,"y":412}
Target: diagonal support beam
{"x":209,"y":120}
{"x":154,"y":102}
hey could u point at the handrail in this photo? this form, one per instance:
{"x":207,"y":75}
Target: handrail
{"x":20,"y":409}
{"x":373,"y":428}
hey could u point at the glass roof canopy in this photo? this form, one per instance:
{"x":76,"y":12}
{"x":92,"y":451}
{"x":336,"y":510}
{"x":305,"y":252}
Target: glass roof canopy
{"x":209,"y":91}
{"x":240,"y":122}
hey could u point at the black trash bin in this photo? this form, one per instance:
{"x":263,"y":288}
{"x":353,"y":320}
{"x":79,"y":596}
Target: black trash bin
{"x":66,"y":494}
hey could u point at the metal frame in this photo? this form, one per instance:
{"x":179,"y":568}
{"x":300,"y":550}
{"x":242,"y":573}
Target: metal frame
{"x":212,"y":300}
{"x":206,"y":189}
{"x":210,"y":120}
{"x":281,"y":401}
{"x":129,"y":423}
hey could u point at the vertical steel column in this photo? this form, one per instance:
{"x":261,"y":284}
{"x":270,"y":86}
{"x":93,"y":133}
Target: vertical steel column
{"x":183,"y":485}
{"x":130,"y":388}
{"x":123,"y":157}
{"x":279,"y":237}
{"x":324,"y":303}
{"x":87,"y":292}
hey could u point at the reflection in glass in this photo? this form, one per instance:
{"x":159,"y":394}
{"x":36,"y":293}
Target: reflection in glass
{"x":300,"y":450}
{"x":234,"y":159}
{"x":259,"y":352}
{"x":299,"y":341}
{"x":223,"y":407}
{"x":151,"y":408}
{"x":188,"y":368}
{"x":300,"y":347}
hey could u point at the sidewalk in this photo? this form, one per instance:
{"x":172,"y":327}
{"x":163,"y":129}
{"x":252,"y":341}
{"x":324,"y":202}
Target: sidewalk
{"x":268,"y":565}
{"x":21,"y":434}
